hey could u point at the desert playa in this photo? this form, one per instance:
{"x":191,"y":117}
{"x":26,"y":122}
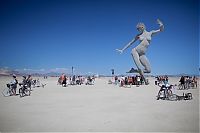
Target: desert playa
{"x":97,"y":108}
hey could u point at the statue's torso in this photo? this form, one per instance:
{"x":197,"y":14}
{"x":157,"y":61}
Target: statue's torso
{"x":145,"y":39}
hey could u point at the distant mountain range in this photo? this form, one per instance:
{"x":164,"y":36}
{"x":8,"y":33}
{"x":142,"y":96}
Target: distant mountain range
{"x":7,"y":72}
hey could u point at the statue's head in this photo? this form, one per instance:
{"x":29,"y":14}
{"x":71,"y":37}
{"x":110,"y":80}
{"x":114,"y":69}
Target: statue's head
{"x":140,"y":27}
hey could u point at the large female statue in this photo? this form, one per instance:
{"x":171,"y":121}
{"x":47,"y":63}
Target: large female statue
{"x":138,"y":53}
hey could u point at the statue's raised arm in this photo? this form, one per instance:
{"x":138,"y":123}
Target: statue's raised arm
{"x":161,"y":27}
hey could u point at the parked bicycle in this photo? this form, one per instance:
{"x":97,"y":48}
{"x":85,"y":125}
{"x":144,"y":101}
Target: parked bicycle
{"x":23,"y":90}
{"x":165,"y":93}
{"x":11,"y":87}
{"x":9,"y":91}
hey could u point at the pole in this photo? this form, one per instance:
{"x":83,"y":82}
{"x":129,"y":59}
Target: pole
{"x":113,"y":71}
{"x":72,"y":70}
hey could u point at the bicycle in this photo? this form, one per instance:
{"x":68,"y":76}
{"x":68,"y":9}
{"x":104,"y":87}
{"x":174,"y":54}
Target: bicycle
{"x":165,"y":93}
{"x":9,"y":90}
{"x":37,"y":83}
{"x":24,"y":91}
{"x":181,"y":87}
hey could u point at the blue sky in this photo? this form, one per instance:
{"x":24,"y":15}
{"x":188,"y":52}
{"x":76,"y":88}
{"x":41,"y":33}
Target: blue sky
{"x":53,"y":34}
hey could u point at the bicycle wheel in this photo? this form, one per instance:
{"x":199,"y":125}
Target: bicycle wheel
{"x":180,"y":87}
{"x":5,"y":92}
{"x":21,"y":94}
{"x":172,"y":97}
{"x":27,"y":92}
{"x":160,"y":95}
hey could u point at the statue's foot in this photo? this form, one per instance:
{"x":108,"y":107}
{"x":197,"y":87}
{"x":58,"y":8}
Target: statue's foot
{"x":147,"y":71}
{"x":132,"y":71}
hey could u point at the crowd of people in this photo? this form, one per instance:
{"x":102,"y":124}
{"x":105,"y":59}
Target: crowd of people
{"x":125,"y":81}
{"x":27,"y":83}
{"x":75,"y":80}
{"x":161,"y":79}
{"x":187,"y":82}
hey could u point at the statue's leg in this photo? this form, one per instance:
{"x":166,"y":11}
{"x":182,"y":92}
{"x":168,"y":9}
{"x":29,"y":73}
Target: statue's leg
{"x":145,"y":62}
{"x":136,"y":58}
{"x":138,"y":63}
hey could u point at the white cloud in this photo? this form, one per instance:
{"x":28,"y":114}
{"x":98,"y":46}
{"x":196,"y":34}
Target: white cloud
{"x":42,"y":69}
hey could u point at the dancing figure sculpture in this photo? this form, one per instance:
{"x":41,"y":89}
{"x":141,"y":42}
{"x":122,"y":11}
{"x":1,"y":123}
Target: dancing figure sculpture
{"x":138,"y":53}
